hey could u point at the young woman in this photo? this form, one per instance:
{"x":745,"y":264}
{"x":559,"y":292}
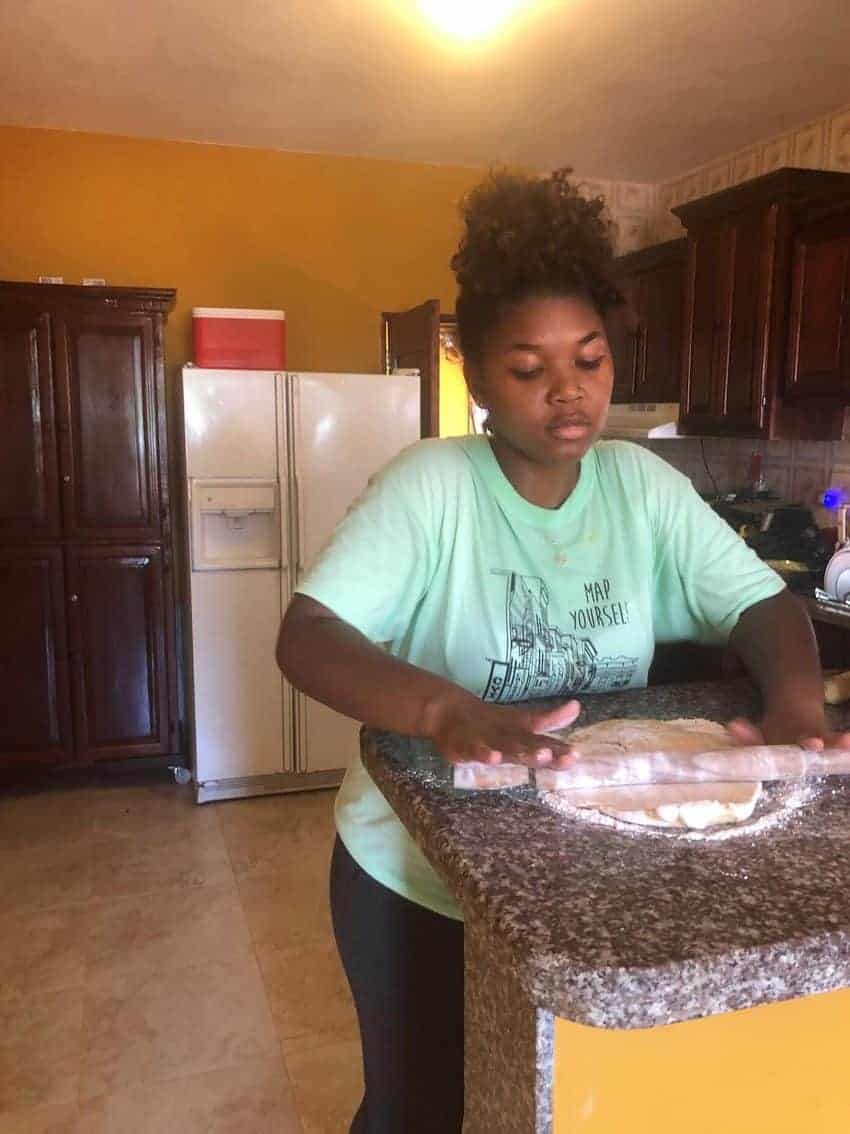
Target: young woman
{"x":480,"y":571}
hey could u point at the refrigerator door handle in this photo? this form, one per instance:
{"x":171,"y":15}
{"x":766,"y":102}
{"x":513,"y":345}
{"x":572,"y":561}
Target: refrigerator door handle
{"x":299,"y":540}
{"x":284,"y":485}
{"x":298,"y":527}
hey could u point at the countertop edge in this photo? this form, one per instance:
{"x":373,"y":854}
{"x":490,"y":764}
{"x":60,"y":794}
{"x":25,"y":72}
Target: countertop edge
{"x":620,"y":998}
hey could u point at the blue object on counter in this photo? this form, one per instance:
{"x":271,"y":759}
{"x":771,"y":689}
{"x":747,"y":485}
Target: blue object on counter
{"x":834,"y":497}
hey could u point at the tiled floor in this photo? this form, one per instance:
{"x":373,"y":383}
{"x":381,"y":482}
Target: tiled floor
{"x":169,"y":969}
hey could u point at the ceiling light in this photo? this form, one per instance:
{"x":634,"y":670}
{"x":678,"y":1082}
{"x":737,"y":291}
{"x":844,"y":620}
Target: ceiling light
{"x":469,"y":19}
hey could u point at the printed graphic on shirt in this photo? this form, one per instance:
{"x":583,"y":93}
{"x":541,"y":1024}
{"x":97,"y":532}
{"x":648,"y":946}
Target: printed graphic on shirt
{"x":544,"y":660}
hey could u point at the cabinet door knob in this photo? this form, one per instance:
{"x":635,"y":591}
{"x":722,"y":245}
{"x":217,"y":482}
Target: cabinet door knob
{"x":66,"y":479}
{"x":74,"y":598}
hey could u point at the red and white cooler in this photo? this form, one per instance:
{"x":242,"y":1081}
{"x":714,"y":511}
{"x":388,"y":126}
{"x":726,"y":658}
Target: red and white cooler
{"x":239,"y":338}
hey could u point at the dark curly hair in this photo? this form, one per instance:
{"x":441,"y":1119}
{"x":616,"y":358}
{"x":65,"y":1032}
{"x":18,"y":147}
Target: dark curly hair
{"x":528,"y":236}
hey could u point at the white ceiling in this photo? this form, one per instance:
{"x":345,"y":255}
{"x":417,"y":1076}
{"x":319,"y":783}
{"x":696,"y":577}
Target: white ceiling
{"x":632,"y":89}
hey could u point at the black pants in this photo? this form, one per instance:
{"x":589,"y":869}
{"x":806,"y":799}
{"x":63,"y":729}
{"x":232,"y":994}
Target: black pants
{"x":405,"y":967}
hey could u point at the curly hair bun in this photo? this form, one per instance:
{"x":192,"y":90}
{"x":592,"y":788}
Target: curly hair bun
{"x":528,"y":236}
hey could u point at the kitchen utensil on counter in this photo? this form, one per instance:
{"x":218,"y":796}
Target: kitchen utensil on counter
{"x":836,"y":688}
{"x":836,"y":579}
{"x":633,"y":769}
{"x":829,"y":602}
{"x":725,"y":765}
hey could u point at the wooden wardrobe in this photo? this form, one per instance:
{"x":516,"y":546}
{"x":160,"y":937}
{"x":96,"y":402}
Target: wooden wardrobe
{"x":87,"y":629}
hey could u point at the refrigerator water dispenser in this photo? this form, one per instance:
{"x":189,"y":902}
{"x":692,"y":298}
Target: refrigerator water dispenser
{"x":235,"y":525}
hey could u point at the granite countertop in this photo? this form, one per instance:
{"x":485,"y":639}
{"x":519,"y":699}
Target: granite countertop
{"x":628,"y":929}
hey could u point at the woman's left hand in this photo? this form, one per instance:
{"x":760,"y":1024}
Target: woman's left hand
{"x":789,"y":725}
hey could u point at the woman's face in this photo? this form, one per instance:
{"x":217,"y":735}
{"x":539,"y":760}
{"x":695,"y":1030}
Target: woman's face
{"x":545,"y":378}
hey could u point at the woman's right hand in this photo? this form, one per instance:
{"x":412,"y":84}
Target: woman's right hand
{"x":473,"y":730}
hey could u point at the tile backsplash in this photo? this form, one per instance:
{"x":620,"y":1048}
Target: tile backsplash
{"x":632,"y":206}
{"x":798,"y":471}
{"x":641,"y":211}
{"x":821,"y":144}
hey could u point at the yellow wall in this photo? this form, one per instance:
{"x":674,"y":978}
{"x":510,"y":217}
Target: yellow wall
{"x":332,"y":240}
{"x":454,"y":404}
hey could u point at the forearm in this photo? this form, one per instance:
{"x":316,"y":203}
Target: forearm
{"x":329,"y":660}
{"x":775,"y":641}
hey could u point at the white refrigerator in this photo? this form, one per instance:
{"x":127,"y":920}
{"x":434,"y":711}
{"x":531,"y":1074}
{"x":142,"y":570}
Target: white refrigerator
{"x":273,"y":461}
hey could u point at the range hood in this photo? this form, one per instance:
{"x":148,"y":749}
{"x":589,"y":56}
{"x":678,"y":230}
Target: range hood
{"x":640,"y":421}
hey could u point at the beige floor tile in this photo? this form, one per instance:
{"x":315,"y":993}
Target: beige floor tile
{"x":249,"y":1099}
{"x":46,"y":875}
{"x":34,"y":818}
{"x":55,"y":1118}
{"x":137,"y":865}
{"x":309,"y":996}
{"x":263,"y":833}
{"x":142,"y":810}
{"x":328,"y":1086}
{"x":43,"y":949}
{"x":147,"y":934}
{"x":40,"y":1047}
{"x":291,"y":906}
{"x":178,"y":1021}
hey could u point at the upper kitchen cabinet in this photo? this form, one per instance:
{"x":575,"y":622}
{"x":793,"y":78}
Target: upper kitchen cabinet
{"x":623,"y":328}
{"x":817,"y":362}
{"x":737,"y":298}
{"x":109,"y":439}
{"x":83,"y":413}
{"x":645,"y":332}
{"x":29,"y":486}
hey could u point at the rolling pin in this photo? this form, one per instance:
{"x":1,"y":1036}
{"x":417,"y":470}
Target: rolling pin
{"x":726,"y":765}
{"x":631,"y":769}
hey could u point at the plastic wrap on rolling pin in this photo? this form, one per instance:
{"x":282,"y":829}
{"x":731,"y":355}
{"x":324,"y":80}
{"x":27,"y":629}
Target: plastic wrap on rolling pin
{"x":471,"y":776}
{"x":731,"y":765}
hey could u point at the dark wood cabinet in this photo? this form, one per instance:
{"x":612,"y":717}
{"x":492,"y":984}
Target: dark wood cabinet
{"x":817,"y":362}
{"x":117,"y":599}
{"x":107,"y":398}
{"x":709,"y":266}
{"x":645,"y":332}
{"x":87,"y":657}
{"x":663,"y":296}
{"x":35,"y":716}
{"x":728,"y":282}
{"x":623,"y":327}
{"x":29,"y":486}
{"x":737,"y":291}
{"x":723,"y":381}
{"x":741,"y":375}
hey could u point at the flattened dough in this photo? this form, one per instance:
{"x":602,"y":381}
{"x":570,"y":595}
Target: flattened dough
{"x":690,"y":806}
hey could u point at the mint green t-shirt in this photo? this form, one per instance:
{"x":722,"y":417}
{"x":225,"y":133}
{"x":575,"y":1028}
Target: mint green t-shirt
{"x":443,"y":561}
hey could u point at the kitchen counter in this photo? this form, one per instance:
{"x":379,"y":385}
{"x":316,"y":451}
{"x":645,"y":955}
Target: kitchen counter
{"x":818,"y":612}
{"x":570,"y":920}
